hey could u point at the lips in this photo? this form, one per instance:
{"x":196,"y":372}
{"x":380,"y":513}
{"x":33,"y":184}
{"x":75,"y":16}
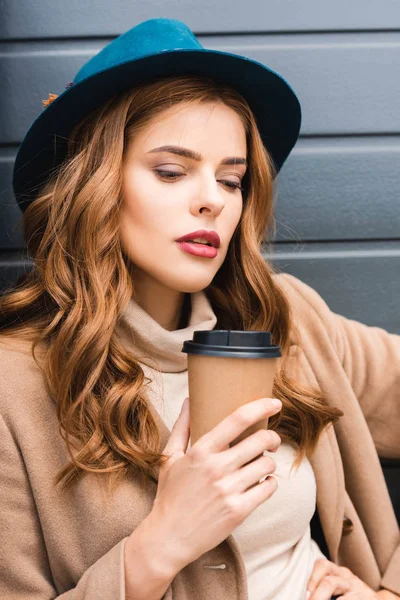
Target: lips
{"x":210,"y":236}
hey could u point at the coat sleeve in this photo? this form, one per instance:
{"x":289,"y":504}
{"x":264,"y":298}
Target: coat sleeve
{"x":370,"y":357}
{"x":24,"y":568}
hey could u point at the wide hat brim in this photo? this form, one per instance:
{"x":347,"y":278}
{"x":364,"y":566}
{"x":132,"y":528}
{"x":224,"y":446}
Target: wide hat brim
{"x":273,"y":102}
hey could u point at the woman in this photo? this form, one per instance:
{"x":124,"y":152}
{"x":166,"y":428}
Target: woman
{"x":100,"y":498}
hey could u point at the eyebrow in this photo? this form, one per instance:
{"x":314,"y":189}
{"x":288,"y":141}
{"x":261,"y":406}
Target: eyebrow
{"x":229,"y":160}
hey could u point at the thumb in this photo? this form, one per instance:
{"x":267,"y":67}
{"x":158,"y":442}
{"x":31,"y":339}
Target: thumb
{"x":180,"y":433}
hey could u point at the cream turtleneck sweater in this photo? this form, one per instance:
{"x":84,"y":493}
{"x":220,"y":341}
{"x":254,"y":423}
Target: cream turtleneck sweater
{"x":275,"y":539}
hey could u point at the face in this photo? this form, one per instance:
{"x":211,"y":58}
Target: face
{"x":167,"y":195}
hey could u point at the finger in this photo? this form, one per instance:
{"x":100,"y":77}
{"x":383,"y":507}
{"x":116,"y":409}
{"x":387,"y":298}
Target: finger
{"x":347,"y":574}
{"x":252,"y":447}
{"x":180,"y":433}
{"x":354,"y":596}
{"x":247,"y":476}
{"x":238,"y":421}
{"x":322,"y":568}
{"x":330,"y":585}
{"x":259,"y":493}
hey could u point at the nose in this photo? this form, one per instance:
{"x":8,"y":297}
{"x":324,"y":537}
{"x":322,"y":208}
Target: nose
{"x":209,"y":196}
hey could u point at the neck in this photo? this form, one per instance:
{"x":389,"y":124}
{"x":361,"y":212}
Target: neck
{"x":168,"y":307}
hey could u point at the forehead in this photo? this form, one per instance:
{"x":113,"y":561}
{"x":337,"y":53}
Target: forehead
{"x":203,"y":127}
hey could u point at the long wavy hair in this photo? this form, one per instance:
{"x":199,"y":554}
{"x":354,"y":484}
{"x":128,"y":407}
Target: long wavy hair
{"x":69,"y":303}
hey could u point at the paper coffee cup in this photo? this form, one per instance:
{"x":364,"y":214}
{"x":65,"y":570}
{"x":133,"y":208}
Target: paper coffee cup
{"x":226,"y":369}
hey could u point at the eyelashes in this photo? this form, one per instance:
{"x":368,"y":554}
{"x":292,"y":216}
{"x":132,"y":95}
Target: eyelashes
{"x":173,"y":175}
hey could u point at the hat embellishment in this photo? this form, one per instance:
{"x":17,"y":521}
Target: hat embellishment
{"x":50,"y":99}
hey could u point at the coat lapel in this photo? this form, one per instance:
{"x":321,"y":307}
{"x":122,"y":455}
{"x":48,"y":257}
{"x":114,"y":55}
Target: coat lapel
{"x":329,"y":478}
{"x":326,"y":462}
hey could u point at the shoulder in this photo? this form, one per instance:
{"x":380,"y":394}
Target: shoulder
{"x":21,"y":378}
{"x":14,"y":344}
{"x":300,"y":293}
{"x":16,"y":352}
{"x":310,"y":312}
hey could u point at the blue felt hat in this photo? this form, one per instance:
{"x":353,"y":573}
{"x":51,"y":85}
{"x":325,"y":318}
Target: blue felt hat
{"x":156,"y":47}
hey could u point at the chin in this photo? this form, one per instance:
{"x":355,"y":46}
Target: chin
{"x":191,"y":288}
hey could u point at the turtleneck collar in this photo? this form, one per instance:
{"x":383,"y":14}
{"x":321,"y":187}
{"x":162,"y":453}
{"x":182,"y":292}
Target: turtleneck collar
{"x":157,"y":347}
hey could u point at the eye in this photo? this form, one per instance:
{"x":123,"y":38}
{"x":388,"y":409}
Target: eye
{"x":168,"y":174}
{"x":232,"y":185}
{"x":174,"y":175}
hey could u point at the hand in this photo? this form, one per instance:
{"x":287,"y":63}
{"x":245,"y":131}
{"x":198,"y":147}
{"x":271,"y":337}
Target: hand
{"x":205,"y":493}
{"x":328,"y":579}
{"x":386,"y":595}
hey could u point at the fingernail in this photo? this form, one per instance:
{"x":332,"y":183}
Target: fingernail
{"x":276,"y":402}
{"x":308,"y":595}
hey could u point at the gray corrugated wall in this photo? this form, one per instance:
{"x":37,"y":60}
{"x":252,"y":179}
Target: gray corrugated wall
{"x":338,"y":207}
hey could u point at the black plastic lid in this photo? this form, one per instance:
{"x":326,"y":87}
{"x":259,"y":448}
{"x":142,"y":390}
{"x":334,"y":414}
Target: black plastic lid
{"x":232,"y":343}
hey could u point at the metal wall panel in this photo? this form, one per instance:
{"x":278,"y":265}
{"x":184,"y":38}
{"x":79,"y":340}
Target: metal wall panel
{"x":345,"y":82}
{"x":340,"y":189}
{"x":27,"y":19}
{"x":341,"y":182}
{"x":359,"y":280}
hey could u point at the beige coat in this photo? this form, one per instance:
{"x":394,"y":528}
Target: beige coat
{"x":70,"y":546}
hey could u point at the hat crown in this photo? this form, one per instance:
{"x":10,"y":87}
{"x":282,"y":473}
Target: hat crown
{"x":153,"y":36}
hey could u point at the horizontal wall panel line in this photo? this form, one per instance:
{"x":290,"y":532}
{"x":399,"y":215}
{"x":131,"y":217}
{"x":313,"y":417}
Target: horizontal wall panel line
{"x":282,"y":243}
{"x":337,"y":246}
{"x":105,"y":39}
{"x":15,"y":264}
{"x":378,"y":141}
{"x":300,"y":256}
{"x":352,"y":136}
{"x":356,"y":249}
{"x":312,"y":144}
{"x":324,"y":255}
{"x":13,"y":257}
{"x":228,"y":42}
{"x":299,"y":32}
{"x":94,"y":17}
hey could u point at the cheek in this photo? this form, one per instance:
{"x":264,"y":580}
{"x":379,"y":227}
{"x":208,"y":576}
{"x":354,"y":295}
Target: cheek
{"x":235,"y":217}
{"x":146,"y":200}
{"x":143,"y":228}
{"x":140,"y":210}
